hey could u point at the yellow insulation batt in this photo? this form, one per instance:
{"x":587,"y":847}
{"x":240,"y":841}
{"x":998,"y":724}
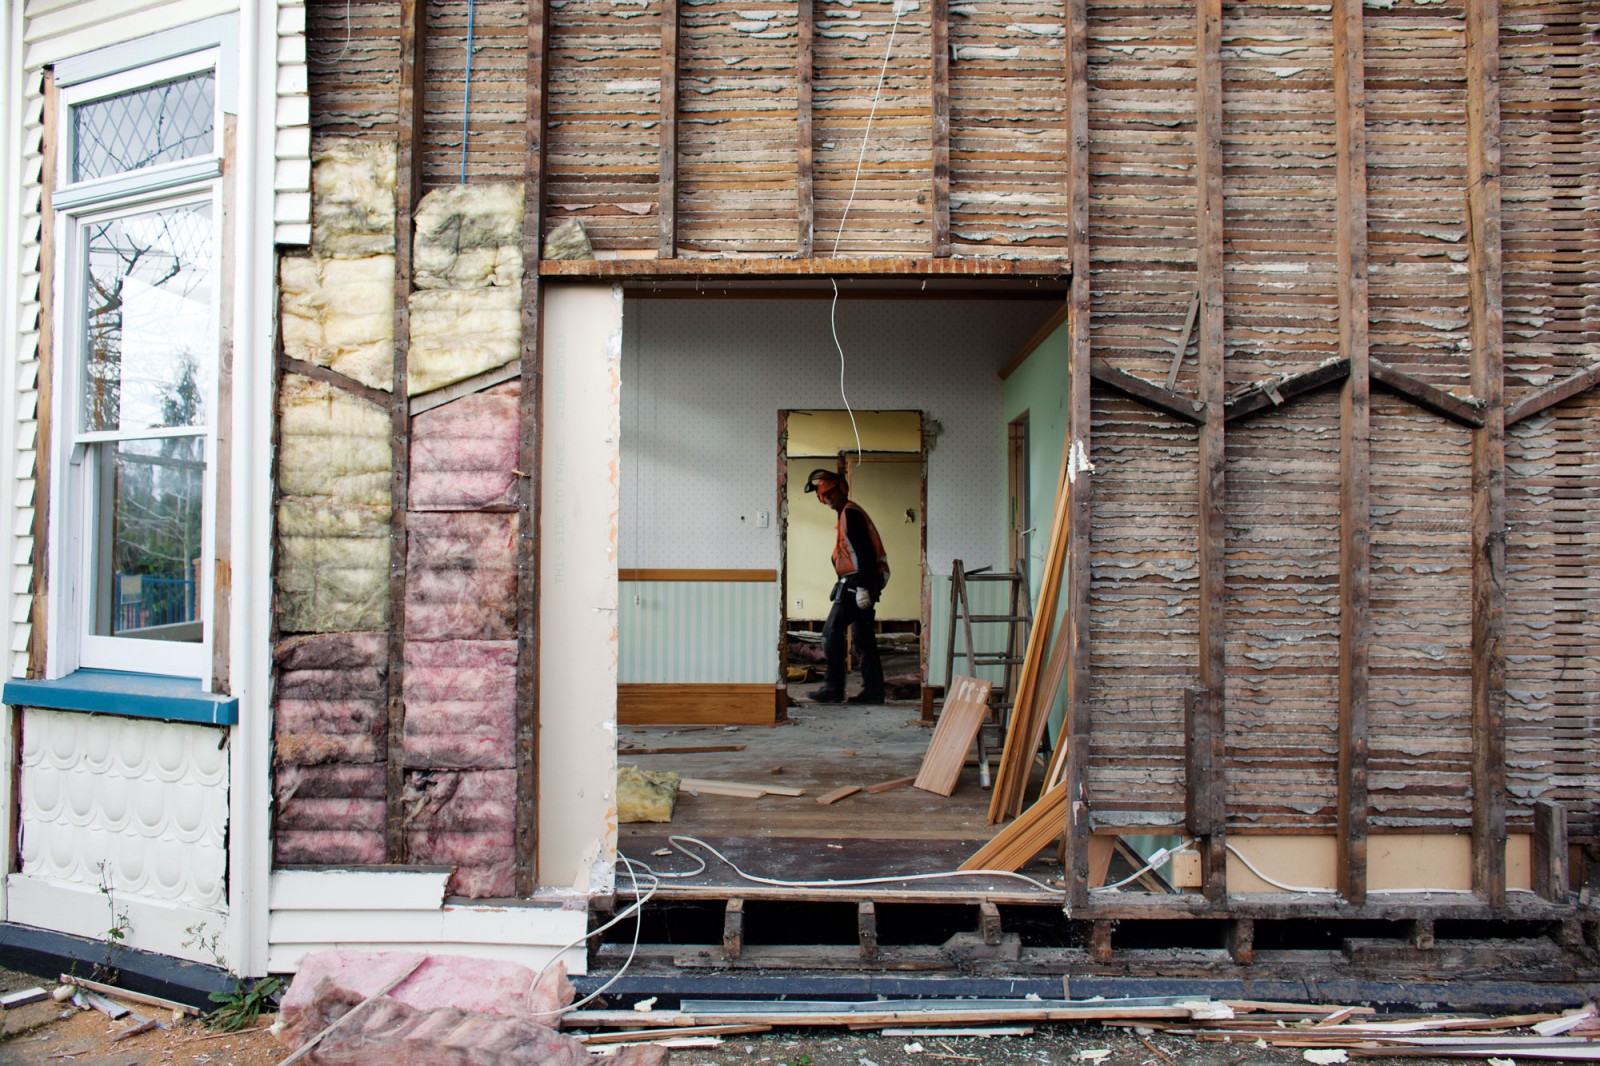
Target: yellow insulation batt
{"x":339,"y":313}
{"x":469,"y":237}
{"x":456,"y":333}
{"x":333,"y":517}
{"x":645,"y":795}
{"x":352,"y":198}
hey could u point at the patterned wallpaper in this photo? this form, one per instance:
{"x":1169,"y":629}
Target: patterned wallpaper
{"x":703,"y":380}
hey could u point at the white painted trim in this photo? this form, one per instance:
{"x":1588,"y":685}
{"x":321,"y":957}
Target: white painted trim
{"x":579,"y":497}
{"x":148,"y":182}
{"x":285,"y":957}
{"x":355,"y":890}
{"x":221,"y":31}
{"x":520,"y":926}
{"x":83,"y":910}
{"x":250,"y":614}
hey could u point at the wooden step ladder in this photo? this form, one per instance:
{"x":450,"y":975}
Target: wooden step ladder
{"x":1018,"y":618}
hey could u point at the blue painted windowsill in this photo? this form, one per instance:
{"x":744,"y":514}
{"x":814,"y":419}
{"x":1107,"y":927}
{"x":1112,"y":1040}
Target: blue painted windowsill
{"x":176,"y":699}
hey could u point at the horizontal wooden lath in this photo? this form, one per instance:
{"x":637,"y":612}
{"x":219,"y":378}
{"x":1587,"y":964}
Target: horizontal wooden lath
{"x":840,"y":268}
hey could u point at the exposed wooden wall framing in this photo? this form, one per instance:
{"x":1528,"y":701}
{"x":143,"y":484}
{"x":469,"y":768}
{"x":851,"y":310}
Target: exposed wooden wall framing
{"x":408,"y":190}
{"x":1112,"y":142}
{"x":529,"y":455}
{"x":1080,"y":486}
{"x":45,"y":384}
{"x":1355,"y":501}
{"x":1488,"y":452}
{"x":667,"y":182}
{"x":1206,"y":817}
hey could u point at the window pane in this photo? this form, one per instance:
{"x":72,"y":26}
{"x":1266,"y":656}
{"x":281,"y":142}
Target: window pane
{"x":149,"y":339}
{"x":148,"y":563}
{"x":157,"y":124}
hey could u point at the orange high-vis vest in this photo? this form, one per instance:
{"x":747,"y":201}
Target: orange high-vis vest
{"x":845,"y":562}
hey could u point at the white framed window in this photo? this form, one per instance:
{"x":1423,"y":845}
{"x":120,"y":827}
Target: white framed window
{"x":133,"y":475}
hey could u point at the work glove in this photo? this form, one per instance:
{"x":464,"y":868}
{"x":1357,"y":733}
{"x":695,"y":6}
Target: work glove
{"x":863,"y":599}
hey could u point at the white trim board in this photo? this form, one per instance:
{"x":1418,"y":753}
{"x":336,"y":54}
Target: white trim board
{"x":83,"y":910}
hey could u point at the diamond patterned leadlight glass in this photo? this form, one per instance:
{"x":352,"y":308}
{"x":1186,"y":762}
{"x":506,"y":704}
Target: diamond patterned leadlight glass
{"x":161,"y":123}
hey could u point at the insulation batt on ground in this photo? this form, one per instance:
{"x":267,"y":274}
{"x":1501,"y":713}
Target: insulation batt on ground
{"x":457,"y":333}
{"x":352,"y":198}
{"x":646,"y":795}
{"x":464,"y":453}
{"x":339,"y":313}
{"x":469,"y":237}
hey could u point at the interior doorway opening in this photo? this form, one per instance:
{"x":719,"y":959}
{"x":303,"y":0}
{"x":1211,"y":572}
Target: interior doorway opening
{"x":883,"y":459}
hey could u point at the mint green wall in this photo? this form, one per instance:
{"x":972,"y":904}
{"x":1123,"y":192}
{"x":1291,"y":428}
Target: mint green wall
{"x":697,"y":632}
{"x":1039,"y":387}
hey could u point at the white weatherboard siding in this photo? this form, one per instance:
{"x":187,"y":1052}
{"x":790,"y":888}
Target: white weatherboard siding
{"x":578,"y":586}
{"x":272,"y":168}
{"x":11,"y":260}
{"x":404,"y":910}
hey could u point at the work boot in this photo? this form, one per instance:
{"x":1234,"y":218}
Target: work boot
{"x":866,"y":697}
{"x":822,"y":695}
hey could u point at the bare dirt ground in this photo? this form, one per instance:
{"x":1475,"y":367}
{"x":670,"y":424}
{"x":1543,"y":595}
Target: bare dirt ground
{"x":49,"y":1033}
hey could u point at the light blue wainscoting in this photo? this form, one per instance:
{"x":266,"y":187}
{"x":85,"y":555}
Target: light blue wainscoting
{"x":697,"y":632}
{"x":983,"y":597}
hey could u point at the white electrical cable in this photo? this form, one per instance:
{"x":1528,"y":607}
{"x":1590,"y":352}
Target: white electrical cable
{"x":1159,"y":858}
{"x":678,"y":842}
{"x":838,"y":234}
{"x":635,"y":908}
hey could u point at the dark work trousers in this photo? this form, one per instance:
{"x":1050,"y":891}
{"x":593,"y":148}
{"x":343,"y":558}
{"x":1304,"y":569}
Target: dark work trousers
{"x":846,"y":615}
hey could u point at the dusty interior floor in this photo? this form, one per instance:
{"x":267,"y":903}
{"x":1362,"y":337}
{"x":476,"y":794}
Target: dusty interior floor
{"x":904,"y":831}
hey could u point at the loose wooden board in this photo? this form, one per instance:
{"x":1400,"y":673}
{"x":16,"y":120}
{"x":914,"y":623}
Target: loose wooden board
{"x":964,"y":709}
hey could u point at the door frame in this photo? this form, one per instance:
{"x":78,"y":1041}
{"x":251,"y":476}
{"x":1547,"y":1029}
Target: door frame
{"x":924,"y":619}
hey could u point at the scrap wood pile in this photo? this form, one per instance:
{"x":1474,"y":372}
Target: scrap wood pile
{"x":1571,"y":1036}
{"x":948,"y":1016}
{"x":1327,"y":1034}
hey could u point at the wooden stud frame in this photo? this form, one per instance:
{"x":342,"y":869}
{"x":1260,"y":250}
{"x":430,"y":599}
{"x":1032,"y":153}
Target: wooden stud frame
{"x":1355,"y":624}
{"x":529,"y":457}
{"x":1488,"y":452}
{"x":1208,"y":822}
{"x":408,"y":189}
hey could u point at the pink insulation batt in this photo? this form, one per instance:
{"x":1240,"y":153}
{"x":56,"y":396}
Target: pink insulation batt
{"x":464,"y":453}
{"x":460,"y":704}
{"x":478,"y":986}
{"x":461,"y":576}
{"x":465,"y":818}
{"x":327,"y":732}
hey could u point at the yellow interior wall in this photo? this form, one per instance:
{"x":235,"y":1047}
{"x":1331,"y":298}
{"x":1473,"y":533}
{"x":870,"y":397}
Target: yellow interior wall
{"x":885,"y":490}
{"x":826,"y":432}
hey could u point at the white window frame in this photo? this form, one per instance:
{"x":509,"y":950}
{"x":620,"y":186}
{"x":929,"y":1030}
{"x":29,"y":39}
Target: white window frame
{"x":74,"y":475}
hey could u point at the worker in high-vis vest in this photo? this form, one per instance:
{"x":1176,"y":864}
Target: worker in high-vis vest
{"x":862,"y":567}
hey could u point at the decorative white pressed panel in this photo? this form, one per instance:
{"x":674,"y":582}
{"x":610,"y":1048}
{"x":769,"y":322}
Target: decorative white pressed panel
{"x":135,"y":804}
